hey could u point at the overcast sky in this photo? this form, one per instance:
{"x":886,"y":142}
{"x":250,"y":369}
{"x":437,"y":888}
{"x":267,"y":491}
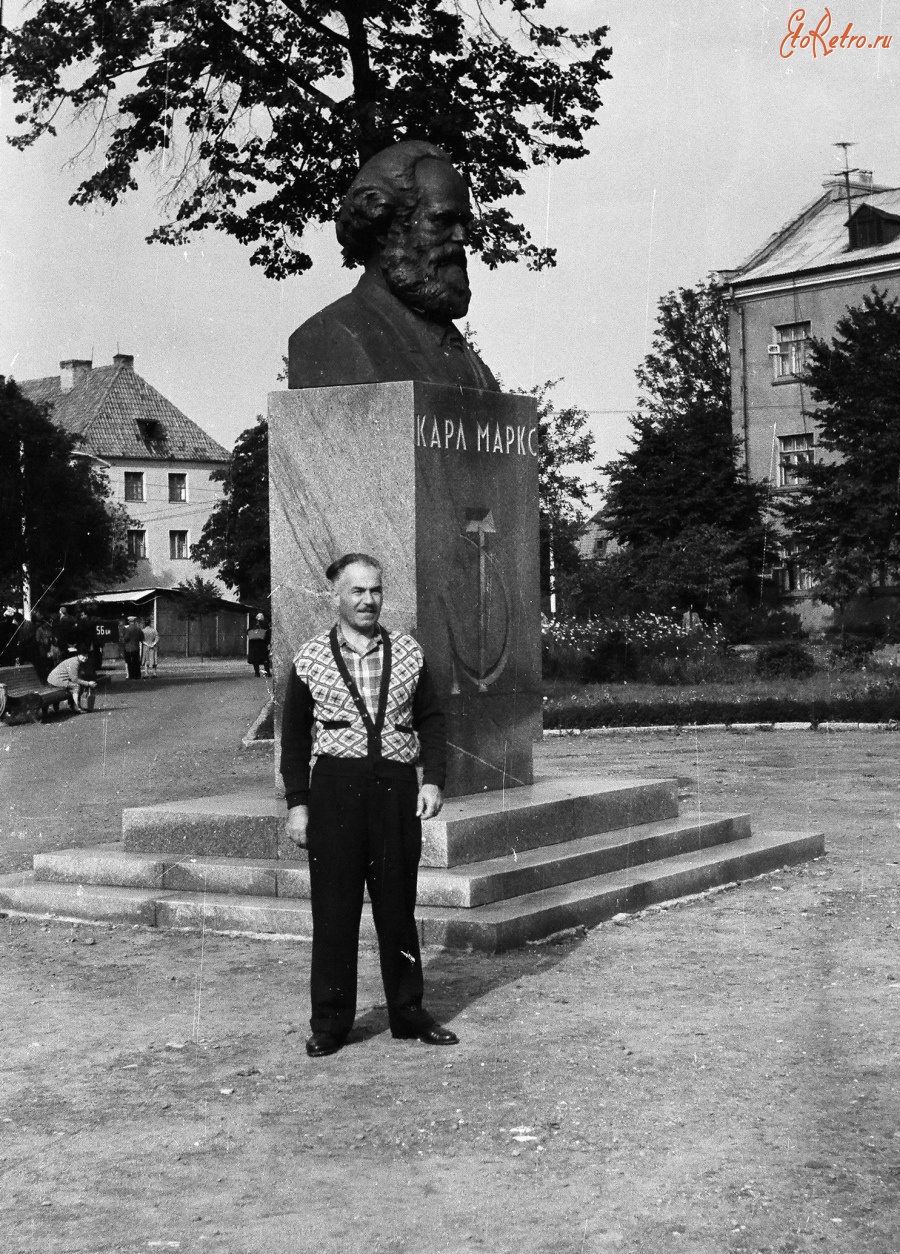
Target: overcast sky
{"x":709,"y":141}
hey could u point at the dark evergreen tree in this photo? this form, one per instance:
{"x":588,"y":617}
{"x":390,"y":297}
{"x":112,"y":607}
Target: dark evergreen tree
{"x":235,"y":538}
{"x":845,"y":517}
{"x":56,"y":517}
{"x":677,"y":500}
{"x":252,"y":114}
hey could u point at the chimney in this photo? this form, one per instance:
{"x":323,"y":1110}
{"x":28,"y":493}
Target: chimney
{"x":72,"y":372}
{"x":125,"y":360}
{"x":861,"y":184}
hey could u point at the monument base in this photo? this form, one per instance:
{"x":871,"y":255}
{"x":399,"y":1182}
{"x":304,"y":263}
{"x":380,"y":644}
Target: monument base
{"x":440,"y":484}
{"x":498,"y":869}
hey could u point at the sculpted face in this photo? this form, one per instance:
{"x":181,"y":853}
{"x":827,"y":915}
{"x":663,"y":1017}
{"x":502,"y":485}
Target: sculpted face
{"x":357,"y":596}
{"x":424,"y":260}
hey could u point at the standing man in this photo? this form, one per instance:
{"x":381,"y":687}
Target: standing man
{"x":362,"y":701}
{"x":259,"y":644}
{"x":64,"y":631}
{"x":149,"y":648}
{"x":132,"y":639}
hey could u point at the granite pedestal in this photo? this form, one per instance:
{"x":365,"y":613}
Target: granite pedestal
{"x":440,"y":484}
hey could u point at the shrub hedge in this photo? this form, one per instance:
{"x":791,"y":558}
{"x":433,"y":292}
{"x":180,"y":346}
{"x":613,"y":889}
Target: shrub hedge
{"x":576,"y":711}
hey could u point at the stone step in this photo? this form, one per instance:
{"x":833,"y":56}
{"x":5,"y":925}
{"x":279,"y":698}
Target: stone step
{"x":469,"y":829}
{"x":506,"y":924}
{"x":113,"y":865}
{"x":95,"y":903}
{"x":499,"y":879}
{"x":492,"y":927}
{"x":241,"y":824}
{"x":473,"y":884}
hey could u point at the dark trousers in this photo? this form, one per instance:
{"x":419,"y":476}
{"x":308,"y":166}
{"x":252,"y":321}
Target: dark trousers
{"x":133,"y":663}
{"x":363,"y":831}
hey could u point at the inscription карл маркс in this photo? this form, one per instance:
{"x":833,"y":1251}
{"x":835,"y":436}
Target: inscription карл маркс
{"x":483,"y":437}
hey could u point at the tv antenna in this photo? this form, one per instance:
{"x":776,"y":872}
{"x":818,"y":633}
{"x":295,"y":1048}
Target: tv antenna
{"x":847,"y":170}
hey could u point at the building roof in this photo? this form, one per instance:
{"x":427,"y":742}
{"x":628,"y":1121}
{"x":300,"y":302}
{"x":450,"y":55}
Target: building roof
{"x":144,"y":596}
{"x":818,"y":238}
{"x":107,"y":406}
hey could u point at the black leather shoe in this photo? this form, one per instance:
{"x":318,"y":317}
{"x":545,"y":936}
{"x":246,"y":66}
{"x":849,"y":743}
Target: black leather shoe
{"x":431,"y":1034}
{"x":321,"y":1044}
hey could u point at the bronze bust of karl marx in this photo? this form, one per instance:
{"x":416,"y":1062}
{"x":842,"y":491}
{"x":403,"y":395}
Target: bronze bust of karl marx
{"x":405,"y":220}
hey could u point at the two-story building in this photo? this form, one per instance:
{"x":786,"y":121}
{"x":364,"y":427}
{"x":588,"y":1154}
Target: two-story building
{"x":158,"y":461}
{"x":795,"y":287}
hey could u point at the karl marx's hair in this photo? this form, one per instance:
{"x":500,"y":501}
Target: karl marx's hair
{"x":384,"y":189}
{"x":351,"y":559}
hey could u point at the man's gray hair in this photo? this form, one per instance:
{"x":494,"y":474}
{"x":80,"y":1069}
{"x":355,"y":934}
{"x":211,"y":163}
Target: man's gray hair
{"x":384,"y":189}
{"x":351,"y":559}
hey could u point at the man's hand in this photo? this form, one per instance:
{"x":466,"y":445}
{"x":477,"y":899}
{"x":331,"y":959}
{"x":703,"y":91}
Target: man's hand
{"x":297,"y":819}
{"x":430,"y":801}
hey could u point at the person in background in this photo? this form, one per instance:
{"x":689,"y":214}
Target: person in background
{"x":149,"y":649}
{"x":132,"y":639}
{"x":26,"y":648}
{"x":64,"y":632}
{"x":123,"y":623}
{"x":10,"y":627}
{"x":43,"y":646}
{"x":259,"y":643}
{"x":73,"y":674}
{"x":84,"y":634}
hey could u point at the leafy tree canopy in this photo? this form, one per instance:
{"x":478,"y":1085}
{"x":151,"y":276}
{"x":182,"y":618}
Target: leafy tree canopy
{"x":564,"y":444}
{"x":199,"y":596}
{"x":679,"y":488}
{"x":56,"y":517}
{"x":235,"y":538}
{"x":845,"y":517}
{"x":251,"y":115}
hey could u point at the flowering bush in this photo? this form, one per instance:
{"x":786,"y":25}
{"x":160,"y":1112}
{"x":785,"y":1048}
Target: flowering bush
{"x":652,"y":647}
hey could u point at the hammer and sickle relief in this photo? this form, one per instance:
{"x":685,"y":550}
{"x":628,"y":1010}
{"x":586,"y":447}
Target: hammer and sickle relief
{"x":486,"y":662}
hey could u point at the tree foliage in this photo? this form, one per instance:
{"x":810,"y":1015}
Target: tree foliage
{"x":74,"y":538}
{"x":251,"y":115}
{"x":689,"y":522}
{"x":845,"y":517}
{"x":564,"y":444}
{"x":199,"y":596}
{"x":235,"y":537}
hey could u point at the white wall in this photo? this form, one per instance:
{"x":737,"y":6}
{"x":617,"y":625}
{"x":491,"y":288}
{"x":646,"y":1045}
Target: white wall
{"x":158,"y":516}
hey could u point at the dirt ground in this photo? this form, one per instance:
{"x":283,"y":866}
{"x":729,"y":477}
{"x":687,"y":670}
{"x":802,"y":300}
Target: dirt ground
{"x":717,"y":1076}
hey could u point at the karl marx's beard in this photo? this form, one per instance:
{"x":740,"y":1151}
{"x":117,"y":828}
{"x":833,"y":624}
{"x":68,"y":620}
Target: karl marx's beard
{"x":433,"y":281}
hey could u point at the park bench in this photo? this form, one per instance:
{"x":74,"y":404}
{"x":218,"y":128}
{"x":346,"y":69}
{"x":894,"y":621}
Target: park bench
{"x":24,"y":696}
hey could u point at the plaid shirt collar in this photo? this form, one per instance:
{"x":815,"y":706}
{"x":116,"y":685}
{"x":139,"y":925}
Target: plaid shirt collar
{"x":365,"y":668}
{"x":374,"y":643}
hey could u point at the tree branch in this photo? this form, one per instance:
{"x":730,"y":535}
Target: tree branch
{"x":270,"y":61}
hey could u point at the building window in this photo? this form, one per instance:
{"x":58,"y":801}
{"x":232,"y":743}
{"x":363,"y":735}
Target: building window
{"x":137,"y":543}
{"x":790,"y":574}
{"x":177,"y":487}
{"x":795,"y":453}
{"x":788,"y":353}
{"x":870,"y":227}
{"x":178,"y":545}
{"x":134,"y":485}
